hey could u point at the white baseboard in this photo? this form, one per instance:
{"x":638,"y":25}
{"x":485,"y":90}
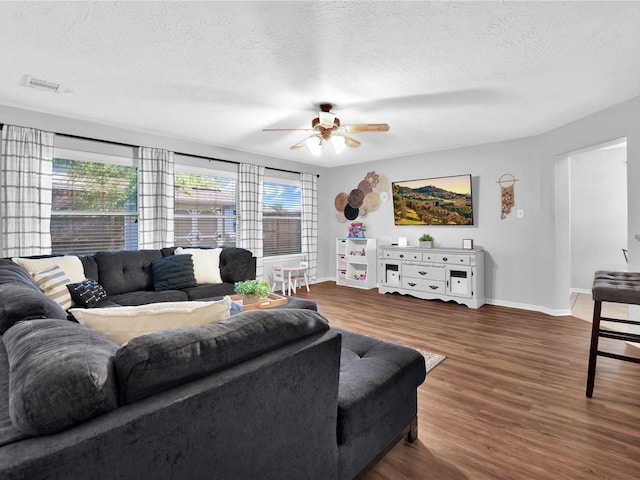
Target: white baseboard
{"x":492,"y":301}
{"x":586,"y":291}
{"x":526,"y":306}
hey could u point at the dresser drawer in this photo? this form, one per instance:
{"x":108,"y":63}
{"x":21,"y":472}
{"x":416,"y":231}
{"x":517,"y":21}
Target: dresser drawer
{"x":420,"y":271}
{"x":438,"y":257}
{"x":402,"y":255}
{"x":412,"y":284}
{"x":431,"y":286}
{"x":462,"y":260}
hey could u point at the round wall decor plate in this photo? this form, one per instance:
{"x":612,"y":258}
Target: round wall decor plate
{"x":384,"y":196}
{"x":340,"y":217}
{"x":373,"y":178}
{"x":383,"y":184}
{"x":341,"y":201}
{"x":355,"y":198}
{"x":364,"y":187}
{"x":371,"y":202}
{"x":351,"y":213}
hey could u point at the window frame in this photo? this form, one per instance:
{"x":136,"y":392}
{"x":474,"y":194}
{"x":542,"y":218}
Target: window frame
{"x":283,"y":181}
{"x":183,"y":164}
{"x":129,"y":160}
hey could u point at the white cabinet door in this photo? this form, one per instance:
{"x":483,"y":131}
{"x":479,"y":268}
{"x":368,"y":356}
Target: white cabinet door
{"x":459,"y":281}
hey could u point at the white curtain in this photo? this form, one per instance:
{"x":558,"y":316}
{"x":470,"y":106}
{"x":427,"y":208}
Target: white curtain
{"x":26,"y":167}
{"x":249,"y":226}
{"x":309,"y":222}
{"x":156,"y":194}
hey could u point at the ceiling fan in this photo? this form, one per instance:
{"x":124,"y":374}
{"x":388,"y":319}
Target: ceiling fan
{"x":328,"y":128}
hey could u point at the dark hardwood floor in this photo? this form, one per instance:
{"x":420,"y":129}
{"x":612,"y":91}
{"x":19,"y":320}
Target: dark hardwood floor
{"x":509,"y":402}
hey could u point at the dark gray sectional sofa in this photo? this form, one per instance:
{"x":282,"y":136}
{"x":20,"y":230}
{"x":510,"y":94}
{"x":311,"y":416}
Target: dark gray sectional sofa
{"x":128,"y":278}
{"x":266,"y":394}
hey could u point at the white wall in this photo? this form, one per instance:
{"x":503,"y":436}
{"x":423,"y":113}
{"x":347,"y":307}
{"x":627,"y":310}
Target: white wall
{"x":528,"y":259}
{"x":508,"y":260}
{"x":598,"y":213}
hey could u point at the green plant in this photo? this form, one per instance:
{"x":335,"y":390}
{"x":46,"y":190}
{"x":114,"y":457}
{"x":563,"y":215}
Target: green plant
{"x":258,"y":288}
{"x":426,"y":238}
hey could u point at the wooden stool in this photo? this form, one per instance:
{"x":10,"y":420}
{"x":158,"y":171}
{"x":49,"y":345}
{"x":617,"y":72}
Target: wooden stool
{"x":618,"y":287}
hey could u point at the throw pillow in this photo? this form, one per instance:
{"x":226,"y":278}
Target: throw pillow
{"x":53,"y":283}
{"x":206,"y":263}
{"x":87,"y":292}
{"x":124,"y":323}
{"x":173,"y":273}
{"x":60,"y":374}
{"x":70,"y":265}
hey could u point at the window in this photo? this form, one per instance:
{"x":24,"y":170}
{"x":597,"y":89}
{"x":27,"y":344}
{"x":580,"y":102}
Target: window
{"x":281,"y":218}
{"x":94,"y":206}
{"x":205,"y":210}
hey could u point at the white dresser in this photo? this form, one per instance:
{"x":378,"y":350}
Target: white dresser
{"x":433,"y":273}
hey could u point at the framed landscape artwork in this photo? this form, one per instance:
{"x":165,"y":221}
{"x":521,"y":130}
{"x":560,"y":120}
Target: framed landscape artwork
{"x":433,"y":201}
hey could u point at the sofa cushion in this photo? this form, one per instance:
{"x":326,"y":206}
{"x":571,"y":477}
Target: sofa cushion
{"x":8,"y":432}
{"x":206,"y":263}
{"x":143,"y":297}
{"x":160,"y":360}
{"x":126,"y":271}
{"x":86,"y":293}
{"x":237,"y":264}
{"x":124,"y":323}
{"x":70,"y":265}
{"x":90,"y":267}
{"x":378,"y":382}
{"x":53,"y":283}
{"x":21,"y":297}
{"x":173,"y":273}
{"x":61,"y":374}
{"x":211,"y":290}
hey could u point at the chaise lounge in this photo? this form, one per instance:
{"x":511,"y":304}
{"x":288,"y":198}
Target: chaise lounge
{"x":267,"y":394}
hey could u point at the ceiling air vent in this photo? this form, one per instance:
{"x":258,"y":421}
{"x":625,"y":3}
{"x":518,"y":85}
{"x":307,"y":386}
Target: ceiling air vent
{"x":42,"y":84}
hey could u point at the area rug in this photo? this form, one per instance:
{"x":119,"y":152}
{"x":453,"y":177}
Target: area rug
{"x":431,"y":360}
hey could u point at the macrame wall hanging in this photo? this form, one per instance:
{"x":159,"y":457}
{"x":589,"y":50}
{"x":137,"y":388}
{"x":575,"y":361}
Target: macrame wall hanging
{"x":507,"y":182}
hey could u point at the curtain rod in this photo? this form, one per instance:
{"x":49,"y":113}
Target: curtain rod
{"x":79,"y":137}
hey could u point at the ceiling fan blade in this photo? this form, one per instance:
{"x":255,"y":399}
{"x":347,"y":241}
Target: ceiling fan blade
{"x":351,"y":142}
{"x":287,"y":129}
{"x":299,"y":144}
{"x":367,"y":127}
{"x":302,"y":143}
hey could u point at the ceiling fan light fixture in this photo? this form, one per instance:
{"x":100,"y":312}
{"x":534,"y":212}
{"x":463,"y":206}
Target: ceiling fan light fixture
{"x":314,"y":144}
{"x":338,"y":142}
{"x":326,"y":119}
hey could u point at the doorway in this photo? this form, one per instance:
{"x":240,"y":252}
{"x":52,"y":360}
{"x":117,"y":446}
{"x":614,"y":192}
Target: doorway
{"x":591,"y":227}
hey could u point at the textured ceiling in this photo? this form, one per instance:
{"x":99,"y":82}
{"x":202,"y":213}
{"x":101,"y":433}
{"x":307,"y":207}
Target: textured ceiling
{"x":441,"y":74}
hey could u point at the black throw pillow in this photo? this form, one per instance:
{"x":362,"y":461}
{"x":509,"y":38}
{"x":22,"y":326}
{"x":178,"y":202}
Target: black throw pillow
{"x":86,"y":293}
{"x":173,"y":273}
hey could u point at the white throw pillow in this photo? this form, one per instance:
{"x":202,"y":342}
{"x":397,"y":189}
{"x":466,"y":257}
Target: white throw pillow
{"x":53,"y":283}
{"x":206,"y":263}
{"x":124,"y":323}
{"x":70,"y":265}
